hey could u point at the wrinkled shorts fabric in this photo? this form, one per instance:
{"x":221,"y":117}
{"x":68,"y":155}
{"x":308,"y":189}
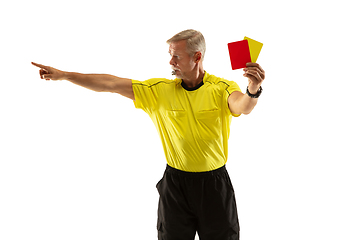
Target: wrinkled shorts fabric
{"x":197,"y":202}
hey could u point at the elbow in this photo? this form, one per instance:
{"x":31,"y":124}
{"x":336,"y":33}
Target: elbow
{"x":241,"y":112}
{"x":248,"y":110}
{"x":246,"y":113}
{"x":102,"y":89}
{"x":109,"y":86}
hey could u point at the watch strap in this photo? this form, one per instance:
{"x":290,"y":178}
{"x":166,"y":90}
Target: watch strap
{"x":256,"y":95}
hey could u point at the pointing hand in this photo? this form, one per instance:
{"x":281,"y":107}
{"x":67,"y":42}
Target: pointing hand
{"x":48,"y":73}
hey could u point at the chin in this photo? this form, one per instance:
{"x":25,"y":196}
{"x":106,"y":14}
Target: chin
{"x":176,"y":73}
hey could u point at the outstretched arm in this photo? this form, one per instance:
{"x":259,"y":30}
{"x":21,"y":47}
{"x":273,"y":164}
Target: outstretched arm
{"x":95,"y":82}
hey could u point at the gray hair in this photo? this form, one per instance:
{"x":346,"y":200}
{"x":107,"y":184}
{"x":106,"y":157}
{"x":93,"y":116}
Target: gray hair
{"x":195,"y":41}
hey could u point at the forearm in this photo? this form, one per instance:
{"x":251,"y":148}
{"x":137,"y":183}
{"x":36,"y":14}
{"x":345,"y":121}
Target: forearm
{"x":102,"y":83}
{"x":246,"y":104}
{"x":240,"y":103}
{"x":95,"y":82}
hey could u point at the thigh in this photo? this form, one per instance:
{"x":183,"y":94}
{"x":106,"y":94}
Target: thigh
{"x":218,"y":218}
{"x":176,"y":220}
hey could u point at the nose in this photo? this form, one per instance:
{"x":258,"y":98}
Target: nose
{"x":172,"y":62}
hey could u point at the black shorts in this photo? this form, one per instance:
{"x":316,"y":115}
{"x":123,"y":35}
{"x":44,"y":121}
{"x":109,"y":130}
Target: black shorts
{"x":197,"y":202}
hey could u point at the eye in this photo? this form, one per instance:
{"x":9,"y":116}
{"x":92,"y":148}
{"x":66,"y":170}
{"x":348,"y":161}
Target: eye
{"x":174,"y":56}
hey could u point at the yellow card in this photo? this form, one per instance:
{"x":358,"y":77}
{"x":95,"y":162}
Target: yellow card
{"x":255,"y":48}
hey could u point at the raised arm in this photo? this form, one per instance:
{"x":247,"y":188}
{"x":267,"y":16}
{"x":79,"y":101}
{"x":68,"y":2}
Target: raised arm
{"x":95,"y":82}
{"x":240,"y":103}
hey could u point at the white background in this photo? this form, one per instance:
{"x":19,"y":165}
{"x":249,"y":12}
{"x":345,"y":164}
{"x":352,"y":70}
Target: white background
{"x":76,"y":164}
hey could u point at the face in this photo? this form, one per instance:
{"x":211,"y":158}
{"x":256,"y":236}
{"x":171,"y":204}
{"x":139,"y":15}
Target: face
{"x":181,"y":62}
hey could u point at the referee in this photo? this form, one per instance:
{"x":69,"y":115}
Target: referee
{"x":192,"y":114}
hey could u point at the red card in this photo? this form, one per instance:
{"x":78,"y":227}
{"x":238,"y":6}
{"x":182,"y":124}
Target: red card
{"x":239,"y":54}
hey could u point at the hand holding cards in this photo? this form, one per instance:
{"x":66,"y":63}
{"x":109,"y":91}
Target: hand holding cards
{"x":244,"y":51}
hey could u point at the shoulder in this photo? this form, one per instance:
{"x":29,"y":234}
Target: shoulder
{"x":218,"y":81}
{"x":154,"y":82}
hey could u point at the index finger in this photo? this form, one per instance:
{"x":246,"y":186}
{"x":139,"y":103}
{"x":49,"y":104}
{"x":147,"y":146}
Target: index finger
{"x":39,"y":65}
{"x":251,"y":64}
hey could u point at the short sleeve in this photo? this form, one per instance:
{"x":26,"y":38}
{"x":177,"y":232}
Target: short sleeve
{"x":145,"y":95}
{"x":232,"y":87}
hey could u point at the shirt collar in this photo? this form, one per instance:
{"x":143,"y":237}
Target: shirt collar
{"x":179,"y":81}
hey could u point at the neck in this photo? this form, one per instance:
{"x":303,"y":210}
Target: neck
{"x":195,"y":78}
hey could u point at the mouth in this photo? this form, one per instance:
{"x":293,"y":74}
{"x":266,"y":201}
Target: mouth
{"x":174,"y":71}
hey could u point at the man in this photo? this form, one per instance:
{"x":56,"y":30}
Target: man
{"x":192,"y":114}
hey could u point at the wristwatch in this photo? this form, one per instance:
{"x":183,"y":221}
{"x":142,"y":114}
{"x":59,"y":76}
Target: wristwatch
{"x":254,"y":95}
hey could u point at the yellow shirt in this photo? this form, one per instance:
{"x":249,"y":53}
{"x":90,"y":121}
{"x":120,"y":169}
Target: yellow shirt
{"x":194,"y":125}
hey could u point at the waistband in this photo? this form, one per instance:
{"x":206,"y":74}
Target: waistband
{"x":215,"y":172}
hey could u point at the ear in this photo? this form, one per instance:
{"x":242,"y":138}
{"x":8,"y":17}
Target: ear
{"x":197,"y":57}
